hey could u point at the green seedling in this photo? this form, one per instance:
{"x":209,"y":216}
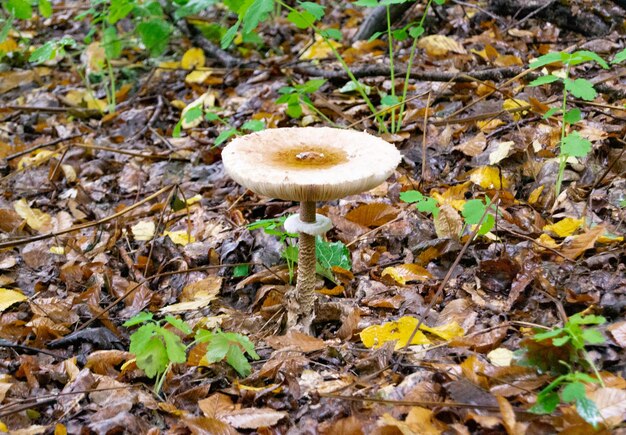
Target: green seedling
{"x":192,"y":114}
{"x":297,"y":96}
{"x":51,"y":49}
{"x":157,"y":348}
{"x":568,"y":354}
{"x":572,"y":143}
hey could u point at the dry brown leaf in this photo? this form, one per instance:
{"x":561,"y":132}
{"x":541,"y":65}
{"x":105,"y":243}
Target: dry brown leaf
{"x":577,"y":245}
{"x":611,"y":403}
{"x":295,"y":340}
{"x":253,"y":418}
{"x":618,"y":332}
{"x":196,"y":295}
{"x":215,"y":405}
{"x":473,"y":146}
{"x":372,"y":215}
{"x":448,"y":223}
{"x":512,"y":426}
{"x":440,"y":45}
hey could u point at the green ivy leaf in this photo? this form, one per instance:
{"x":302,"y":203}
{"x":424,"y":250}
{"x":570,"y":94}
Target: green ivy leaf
{"x":544,"y":80}
{"x":575,"y":145}
{"x":581,"y":88}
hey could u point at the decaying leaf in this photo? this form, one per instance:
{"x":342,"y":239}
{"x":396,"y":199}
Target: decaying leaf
{"x":406,"y":272}
{"x":9,"y":297}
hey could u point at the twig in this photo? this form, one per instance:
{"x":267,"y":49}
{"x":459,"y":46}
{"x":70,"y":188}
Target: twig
{"x":42,"y":145}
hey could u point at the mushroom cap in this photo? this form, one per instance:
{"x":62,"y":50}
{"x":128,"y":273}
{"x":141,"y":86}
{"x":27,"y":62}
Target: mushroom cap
{"x":310,"y":163}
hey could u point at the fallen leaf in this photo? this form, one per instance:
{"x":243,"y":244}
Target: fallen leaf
{"x":440,"y":45}
{"x":611,"y":403}
{"x":489,"y":177}
{"x":181,"y":237}
{"x":253,"y":418}
{"x":9,"y":297}
{"x":319,"y":49}
{"x":399,"y":331}
{"x":406,"y":272}
{"x":618,"y":332}
{"x":143,"y":230}
{"x":577,"y":245}
{"x":502,"y":151}
{"x":447,"y":331}
{"x":564,"y":227}
{"x":295,"y":340}
{"x":489,"y":125}
{"x":473,"y":146}
{"x":448,"y":223}
{"x":372,"y":215}
{"x":192,"y":58}
{"x":196,"y":295}
{"x":513,"y":103}
{"x":35,"y":218}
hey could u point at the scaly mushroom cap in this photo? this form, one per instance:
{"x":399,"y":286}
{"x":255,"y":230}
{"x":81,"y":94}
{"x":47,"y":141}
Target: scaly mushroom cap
{"x":309,"y":164}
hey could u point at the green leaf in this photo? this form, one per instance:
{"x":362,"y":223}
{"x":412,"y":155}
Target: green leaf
{"x":575,"y":145}
{"x":573,"y":391}
{"x":422,"y":203}
{"x":4,"y":31}
{"x":581,"y":88}
{"x":258,"y":11}
{"x":572,"y":116}
{"x":224,"y":136}
{"x":390,"y":100}
{"x":119,"y":9}
{"x":46,"y":52}
{"x":416,"y":31}
{"x":294,"y":109}
{"x":311,"y":86}
{"x":155,"y":35}
{"x":590,"y":319}
{"x":21,"y":9}
{"x":593,"y":336}
{"x":619,"y":57}
{"x":241,"y":270}
{"x":204,"y":336}
{"x":399,"y":34}
{"x":230,"y":34}
{"x":45,"y":8}
{"x":440,"y":2}
{"x":352,"y":86}
{"x":217,"y":348}
{"x":192,"y":7}
{"x":314,"y":9}
{"x":366,"y":3}
{"x":588,"y":410}
{"x":111,"y":42}
{"x":548,"y":334}
{"x":561,"y":341}
{"x":253,"y":125}
{"x":546,"y":59}
{"x":244,"y":342}
{"x":174,"y":346}
{"x":332,"y":34}
{"x":375,"y":36}
{"x":302,"y":20}
{"x":238,"y":361}
{"x":544,"y":80}
{"x":331,"y":254}
{"x":583,"y":377}
{"x":142,"y":317}
{"x":139,"y":339}
{"x":181,"y":325}
{"x":473,"y":211}
{"x":583,"y":56}
{"x":153,"y":358}
{"x":546,"y":403}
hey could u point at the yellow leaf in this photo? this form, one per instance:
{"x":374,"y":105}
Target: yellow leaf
{"x":511,"y":104}
{"x":69,"y":172}
{"x":535,"y":194}
{"x":8,"y":45}
{"x":9,"y":297}
{"x":93,"y":103}
{"x":502,"y":152}
{"x":400,"y":331}
{"x":454,"y":195}
{"x":447,"y":332}
{"x":170,"y":64}
{"x":197,"y":77}
{"x":440,"y":45}
{"x":192,"y":58}
{"x":3,"y":427}
{"x":143,"y":230}
{"x":35,"y":218}
{"x":319,"y":49}
{"x":57,"y":250}
{"x":181,"y":237}
{"x":547,"y":241}
{"x":194,"y":199}
{"x":610,"y":238}
{"x":60,"y":429}
{"x":565,"y":227}
{"x":35,"y":159}
{"x":407,"y":272}
{"x":489,"y":177}
{"x":490,"y":125}
{"x":93,"y":57}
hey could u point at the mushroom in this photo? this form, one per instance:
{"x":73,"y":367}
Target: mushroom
{"x":307,"y":165}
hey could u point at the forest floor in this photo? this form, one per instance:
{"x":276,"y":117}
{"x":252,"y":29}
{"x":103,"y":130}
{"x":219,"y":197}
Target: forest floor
{"x":107,"y":214}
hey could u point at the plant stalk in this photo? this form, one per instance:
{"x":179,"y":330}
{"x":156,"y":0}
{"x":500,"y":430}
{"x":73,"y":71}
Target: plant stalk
{"x":562,"y":157}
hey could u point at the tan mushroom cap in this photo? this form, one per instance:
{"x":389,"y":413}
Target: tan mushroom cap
{"x":310,"y":163}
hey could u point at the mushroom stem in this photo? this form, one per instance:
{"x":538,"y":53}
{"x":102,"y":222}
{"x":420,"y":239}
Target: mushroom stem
{"x":305,"y":286}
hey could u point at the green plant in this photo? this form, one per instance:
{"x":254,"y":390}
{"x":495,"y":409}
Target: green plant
{"x":327,"y":254}
{"x":194,"y":114}
{"x":21,"y":10}
{"x":472,"y":211}
{"x":298,"y":95}
{"x":572,"y":144}
{"x":569,"y":355}
{"x":157,"y":348}
{"x":51,"y":49}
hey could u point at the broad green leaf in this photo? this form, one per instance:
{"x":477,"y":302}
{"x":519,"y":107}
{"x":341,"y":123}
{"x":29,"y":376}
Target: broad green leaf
{"x":399,"y":34}
{"x":258,"y":11}
{"x":561,"y":341}
{"x":543,"y":80}
{"x":302,"y":20}
{"x":45,"y":8}
{"x":209,"y":116}
{"x":44,"y":53}
{"x":193,"y":114}
{"x":253,"y":125}
{"x":181,"y":325}
{"x":314,"y":9}
{"x":139,"y":339}
{"x":389,"y":100}
{"x":593,"y":336}
{"x":204,"y":336}
{"x":311,"y":86}
{"x":573,"y":391}
{"x":575,"y":145}
{"x":588,"y":410}
{"x":546,"y":403}
{"x":583,"y":56}
{"x":111,"y":42}
{"x":590,"y":319}
{"x":241,"y":271}
{"x":548,"y":334}
{"x":572,"y":116}
{"x":546,"y":59}
{"x":152,"y":358}
{"x":422,"y":203}
{"x":119,"y":9}
{"x":473,"y":211}
{"x":142,"y":317}
{"x":155,"y":35}
{"x":619,"y":57}
{"x":21,"y":9}
{"x":217,"y":348}
{"x":551,"y":111}
{"x":581,"y":88}
{"x":238,"y":361}
{"x":243,"y":341}
{"x":416,"y":31}
{"x":332,"y":254}
{"x":294,"y":110}
{"x":6,"y":28}
{"x":366,"y":3}
{"x":174,"y":346}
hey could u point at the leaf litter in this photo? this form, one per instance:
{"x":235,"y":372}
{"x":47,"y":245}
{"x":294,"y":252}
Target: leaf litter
{"x":107,"y":214}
